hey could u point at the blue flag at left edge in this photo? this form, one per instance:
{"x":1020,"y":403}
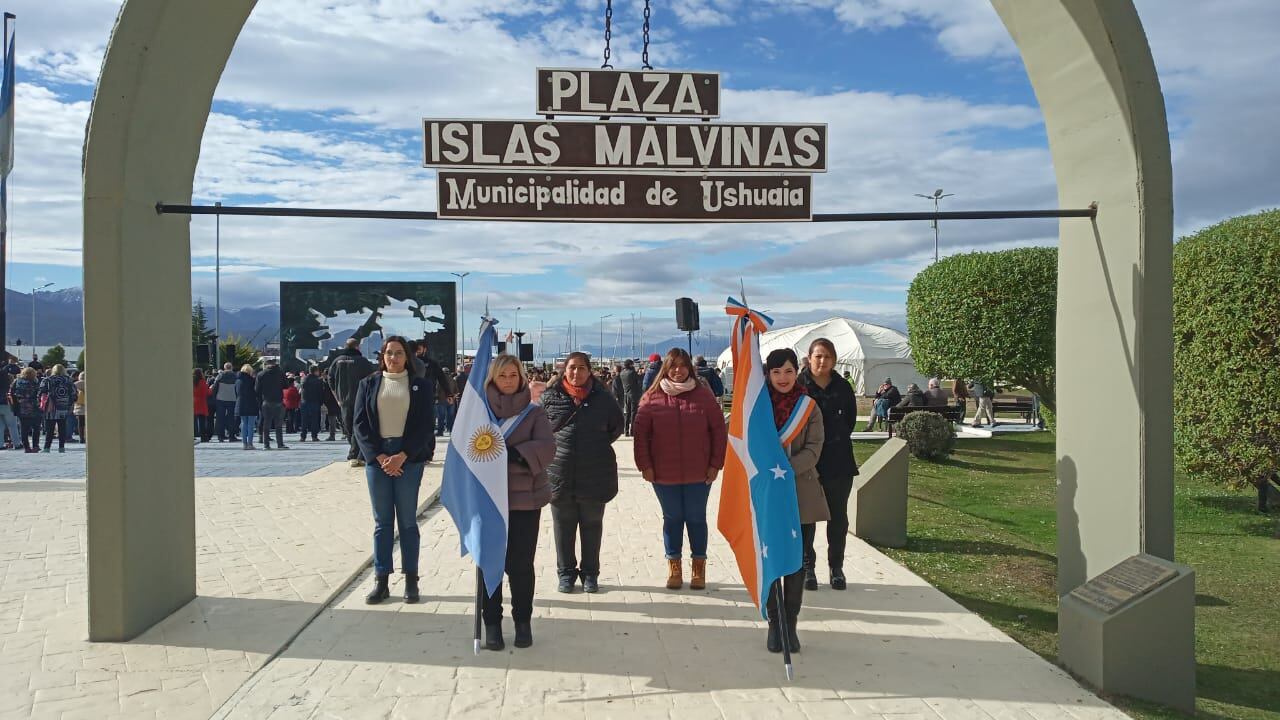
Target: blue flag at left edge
{"x":6,"y":98}
{"x":474,"y":489}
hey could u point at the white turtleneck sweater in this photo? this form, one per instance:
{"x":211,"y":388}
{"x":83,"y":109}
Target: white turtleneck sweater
{"x":393,"y":403}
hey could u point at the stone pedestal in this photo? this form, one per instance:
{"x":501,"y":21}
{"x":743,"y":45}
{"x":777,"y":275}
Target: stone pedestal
{"x":878,"y":506}
{"x":1132,"y":636}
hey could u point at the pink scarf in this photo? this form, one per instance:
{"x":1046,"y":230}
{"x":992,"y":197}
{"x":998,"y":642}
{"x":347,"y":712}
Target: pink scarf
{"x":673,"y":388}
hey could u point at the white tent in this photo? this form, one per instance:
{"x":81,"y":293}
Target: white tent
{"x":870,"y":353}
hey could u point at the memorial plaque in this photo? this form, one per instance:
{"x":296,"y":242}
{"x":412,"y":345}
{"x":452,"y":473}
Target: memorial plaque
{"x":596,"y":197}
{"x":647,"y":93}
{"x":1127,"y":581}
{"x":624,"y":146}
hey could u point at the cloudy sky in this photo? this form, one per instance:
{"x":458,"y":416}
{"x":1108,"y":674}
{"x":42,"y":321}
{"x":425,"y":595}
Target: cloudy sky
{"x":321,"y":106}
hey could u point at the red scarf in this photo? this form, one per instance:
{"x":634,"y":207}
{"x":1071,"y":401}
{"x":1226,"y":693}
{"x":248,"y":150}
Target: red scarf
{"x":784,"y":403}
{"x":577,"y":393}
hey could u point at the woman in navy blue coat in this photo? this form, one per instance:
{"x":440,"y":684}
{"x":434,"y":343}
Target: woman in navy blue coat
{"x":247,"y":403}
{"x":394,"y":420}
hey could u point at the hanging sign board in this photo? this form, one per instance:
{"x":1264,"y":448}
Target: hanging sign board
{"x":593,"y":197}
{"x":647,"y":93}
{"x":625,"y":146}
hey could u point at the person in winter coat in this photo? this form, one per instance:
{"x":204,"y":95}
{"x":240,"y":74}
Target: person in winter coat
{"x":24,"y":398}
{"x":650,"y":375}
{"x":679,"y":448}
{"x":914,"y":398}
{"x":707,"y":374}
{"x":270,"y":388}
{"x":631,"y":392}
{"x":292,"y":404}
{"x":57,"y":397}
{"x":345,"y":374}
{"x":312,"y":399}
{"x":201,"y":394}
{"x":935,"y":396}
{"x":224,"y":396}
{"x":887,"y":396}
{"x":81,"y":409}
{"x":393,"y":418}
{"x":8,"y":416}
{"x":836,"y":464}
{"x":804,"y":451}
{"x":247,"y":405}
{"x":960,"y":391}
{"x":584,"y":473}
{"x":530,"y":448}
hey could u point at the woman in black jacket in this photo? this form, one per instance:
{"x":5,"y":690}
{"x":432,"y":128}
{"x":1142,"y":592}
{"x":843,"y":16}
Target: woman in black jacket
{"x":584,"y":473}
{"x":247,"y":403}
{"x":836,"y":465}
{"x":393,"y":416}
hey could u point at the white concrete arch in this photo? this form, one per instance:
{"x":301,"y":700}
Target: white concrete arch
{"x":1092,"y":71}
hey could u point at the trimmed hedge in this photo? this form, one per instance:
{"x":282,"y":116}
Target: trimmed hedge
{"x":928,"y":435}
{"x":1226,"y":360}
{"x":990,"y":316}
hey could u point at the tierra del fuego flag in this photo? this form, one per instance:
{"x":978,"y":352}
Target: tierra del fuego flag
{"x":474,"y":488}
{"x":759,"y":512}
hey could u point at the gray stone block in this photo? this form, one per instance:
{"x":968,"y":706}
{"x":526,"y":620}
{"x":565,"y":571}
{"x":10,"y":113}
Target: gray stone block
{"x":878,"y":506}
{"x":1144,"y":648}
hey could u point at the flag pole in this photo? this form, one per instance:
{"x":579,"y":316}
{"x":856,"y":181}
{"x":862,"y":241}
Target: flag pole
{"x":783,"y":630}
{"x":479,"y":609}
{"x":6,"y":165}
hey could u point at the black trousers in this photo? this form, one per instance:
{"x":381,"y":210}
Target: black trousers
{"x":522,"y":544}
{"x":792,"y":586}
{"x":30,"y":432}
{"x":837,"y":492}
{"x":570,"y":519}
{"x":272,"y":417}
{"x":61,"y":424}
{"x":348,"y":427}
{"x":630,"y":404}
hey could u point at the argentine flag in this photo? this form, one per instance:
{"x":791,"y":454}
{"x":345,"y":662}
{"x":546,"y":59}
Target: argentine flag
{"x":474,"y":490}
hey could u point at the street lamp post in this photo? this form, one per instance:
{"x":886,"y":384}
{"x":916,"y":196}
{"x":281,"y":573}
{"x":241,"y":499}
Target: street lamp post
{"x":935,"y":197}
{"x":602,"y":319}
{"x":217,"y":286}
{"x":462,"y":312}
{"x":33,"y":313}
{"x":517,"y":320}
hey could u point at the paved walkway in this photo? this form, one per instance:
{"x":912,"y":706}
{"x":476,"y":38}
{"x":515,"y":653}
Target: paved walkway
{"x":890,"y":646}
{"x":271,"y":553}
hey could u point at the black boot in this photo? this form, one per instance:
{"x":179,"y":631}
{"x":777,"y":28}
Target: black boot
{"x":590,"y":583}
{"x":837,"y":579}
{"x":493,"y":637}
{"x":567,"y":579}
{"x":380,"y":591}
{"x":810,"y":578}
{"x":410,"y":588}
{"x":774,"y":642}
{"x":793,"y":639}
{"x":524,"y":634}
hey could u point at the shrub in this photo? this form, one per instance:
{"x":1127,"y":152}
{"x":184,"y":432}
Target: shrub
{"x":990,"y":316}
{"x":928,"y":435}
{"x":57,"y":355}
{"x":1226,"y":359}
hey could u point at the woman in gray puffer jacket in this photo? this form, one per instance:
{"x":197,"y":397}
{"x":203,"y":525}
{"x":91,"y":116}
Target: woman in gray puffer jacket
{"x":531,"y":445}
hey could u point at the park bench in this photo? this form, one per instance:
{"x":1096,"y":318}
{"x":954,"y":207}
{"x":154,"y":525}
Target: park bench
{"x":954,"y":413}
{"x":1018,"y":405}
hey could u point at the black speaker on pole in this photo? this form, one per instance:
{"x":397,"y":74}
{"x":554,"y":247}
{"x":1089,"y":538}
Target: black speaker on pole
{"x":526,"y":352}
{"x":686,"y":314}
{"x":202,"y":355}
{"x":502,"y":346}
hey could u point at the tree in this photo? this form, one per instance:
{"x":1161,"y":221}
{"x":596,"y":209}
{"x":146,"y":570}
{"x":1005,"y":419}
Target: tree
{"x":80,"y":361}
{"x":200,"y":332}
{"x":245,"y":354}
{"x":1226,"y":359}
{"x":989,"y":316}
{"x":57,"y":355}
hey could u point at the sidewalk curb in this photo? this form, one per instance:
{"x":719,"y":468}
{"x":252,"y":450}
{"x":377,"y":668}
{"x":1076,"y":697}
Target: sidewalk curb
{"x":229,"y":705}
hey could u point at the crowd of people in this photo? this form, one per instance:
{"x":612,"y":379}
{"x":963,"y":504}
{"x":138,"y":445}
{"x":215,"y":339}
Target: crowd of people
{"x":35,"y":399}
{"x":560,"y":433}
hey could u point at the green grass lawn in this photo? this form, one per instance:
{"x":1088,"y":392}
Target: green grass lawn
{"x":982,"y":529}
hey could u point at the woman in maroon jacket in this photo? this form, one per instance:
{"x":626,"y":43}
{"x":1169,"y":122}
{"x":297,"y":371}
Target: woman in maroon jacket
{"x":531,"y":445}
{"x":679,"y":446}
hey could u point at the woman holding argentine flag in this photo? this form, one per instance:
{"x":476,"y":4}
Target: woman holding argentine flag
{"x":584,"y":474}
{"x":394,"y":420}
{"x":800,"y":430}
{"x":531,"y":445}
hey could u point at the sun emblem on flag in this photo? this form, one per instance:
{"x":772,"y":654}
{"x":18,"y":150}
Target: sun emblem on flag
{"x":485,"y":444}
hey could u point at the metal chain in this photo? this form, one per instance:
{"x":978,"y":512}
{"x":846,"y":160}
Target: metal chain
{"x":645,"y":56}
{"x":608,"y":31}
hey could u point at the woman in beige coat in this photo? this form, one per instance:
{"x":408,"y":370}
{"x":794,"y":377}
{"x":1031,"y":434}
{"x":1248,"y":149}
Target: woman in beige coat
{"x":804,"y":450}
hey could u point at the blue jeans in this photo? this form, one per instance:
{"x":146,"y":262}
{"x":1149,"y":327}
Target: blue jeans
{"x":443,"y":421}
{"x":395,"y":505}
{"x":247,"y":425}
{"x":684,"y":506}
{"x":226,"y":419}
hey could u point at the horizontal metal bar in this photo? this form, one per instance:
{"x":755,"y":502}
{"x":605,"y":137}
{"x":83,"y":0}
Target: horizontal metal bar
{"x":166,"y":209}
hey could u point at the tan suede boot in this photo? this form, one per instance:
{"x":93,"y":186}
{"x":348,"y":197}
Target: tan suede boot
{"x":699,"y":579}
{"x":675,"y":576}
